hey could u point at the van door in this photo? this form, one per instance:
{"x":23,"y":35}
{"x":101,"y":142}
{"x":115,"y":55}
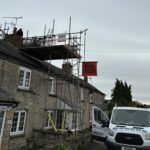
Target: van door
{"x":99,"y":124}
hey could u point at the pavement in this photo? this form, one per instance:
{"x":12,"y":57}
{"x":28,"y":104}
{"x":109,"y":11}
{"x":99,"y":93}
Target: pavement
{"x":96,"y":145}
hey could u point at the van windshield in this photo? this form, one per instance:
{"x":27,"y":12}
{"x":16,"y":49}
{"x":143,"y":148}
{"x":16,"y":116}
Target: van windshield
{"x":131,"y":117}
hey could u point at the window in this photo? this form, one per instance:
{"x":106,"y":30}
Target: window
{"x":97,"y":115}
{"x":104,"y":117}
{"x":100,"y":116}
{"x":79,"y":121}
{"x":124,"y":117}
{"x":91,"y":95}
{"x":81,"y":117}
{"x":52,"y":82}
{"x":18,"y":122}
{"x":64,"y":89}
{"x":81,"y":95}
{"x":90,"y":117}
{"x":2,"y":120}
{"x":24,"y":78}
{"x":59,"y":119}
{"x":47,"y":119}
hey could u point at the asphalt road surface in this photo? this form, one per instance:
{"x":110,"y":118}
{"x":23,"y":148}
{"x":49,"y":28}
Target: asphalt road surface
{"x":96,"y":145}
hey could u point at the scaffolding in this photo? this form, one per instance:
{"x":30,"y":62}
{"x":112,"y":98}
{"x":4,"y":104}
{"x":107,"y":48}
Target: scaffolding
{"x":62,"y":46}
{"x":65,"y":46}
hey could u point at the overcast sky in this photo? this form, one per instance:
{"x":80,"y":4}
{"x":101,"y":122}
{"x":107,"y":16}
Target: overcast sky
{"x":118,"y":35}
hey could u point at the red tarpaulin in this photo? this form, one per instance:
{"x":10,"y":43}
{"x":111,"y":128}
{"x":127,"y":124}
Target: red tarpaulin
{"x":89,"y":68}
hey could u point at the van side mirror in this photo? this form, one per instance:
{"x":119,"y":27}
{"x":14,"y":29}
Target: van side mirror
{"x":104,"y":123}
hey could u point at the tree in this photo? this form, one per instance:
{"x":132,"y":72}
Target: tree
{"x":121,"y":94}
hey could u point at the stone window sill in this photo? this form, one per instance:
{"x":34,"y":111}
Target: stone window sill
{"x":17,"y":136}
{"x":26,"y":90}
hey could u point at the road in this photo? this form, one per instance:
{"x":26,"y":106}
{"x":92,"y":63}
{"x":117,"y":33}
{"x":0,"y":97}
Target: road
{"x":96,"y":145}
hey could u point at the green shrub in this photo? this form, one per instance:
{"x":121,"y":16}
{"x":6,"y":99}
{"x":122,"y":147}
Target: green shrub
{"x":62,"y":147}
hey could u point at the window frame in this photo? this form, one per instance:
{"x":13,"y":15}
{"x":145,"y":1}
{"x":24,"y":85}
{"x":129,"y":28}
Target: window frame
{"x":81,"y":116}
{"x":91,"y":97}
{"x":90,"y":116}
{"x":18,"y":123}
{"x":82,"y":94}
{"x":3,"y":122}
{"x":52,"y":90}
{"x":49,"y":126}
{"x":23,"y":86}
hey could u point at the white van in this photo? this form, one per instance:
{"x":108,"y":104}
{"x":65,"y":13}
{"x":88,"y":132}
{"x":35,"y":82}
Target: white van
{"x":129,"y":129}
{"x":99,"y":124}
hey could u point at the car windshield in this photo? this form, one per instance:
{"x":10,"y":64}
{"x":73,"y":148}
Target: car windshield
{"x":131,"y":117}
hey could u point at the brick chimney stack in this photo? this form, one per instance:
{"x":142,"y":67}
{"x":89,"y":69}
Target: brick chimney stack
{"x":67,"y":68}
{"x":16,"y":39}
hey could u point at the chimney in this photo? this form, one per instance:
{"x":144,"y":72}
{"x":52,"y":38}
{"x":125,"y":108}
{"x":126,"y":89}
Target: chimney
{"x":67,"y":68}
{"x":15,"y":39}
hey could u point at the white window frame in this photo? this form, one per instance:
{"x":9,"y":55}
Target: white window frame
{"x":82,"y":94}
{"x":52,"y":86}
{"x":90,"y":116}
{"x":80,"y":120}
{"x":26,"y":70}
{"x":49,"y":126}
{"x":91,"y":97}
{"x":81,"y":116}
{"x":18,"y":122}
{"x":3,"y":109}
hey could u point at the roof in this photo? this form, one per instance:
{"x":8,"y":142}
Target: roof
{"x":6,"y":99}
{"x":86,"y":84}
{"x":10,"y":53}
